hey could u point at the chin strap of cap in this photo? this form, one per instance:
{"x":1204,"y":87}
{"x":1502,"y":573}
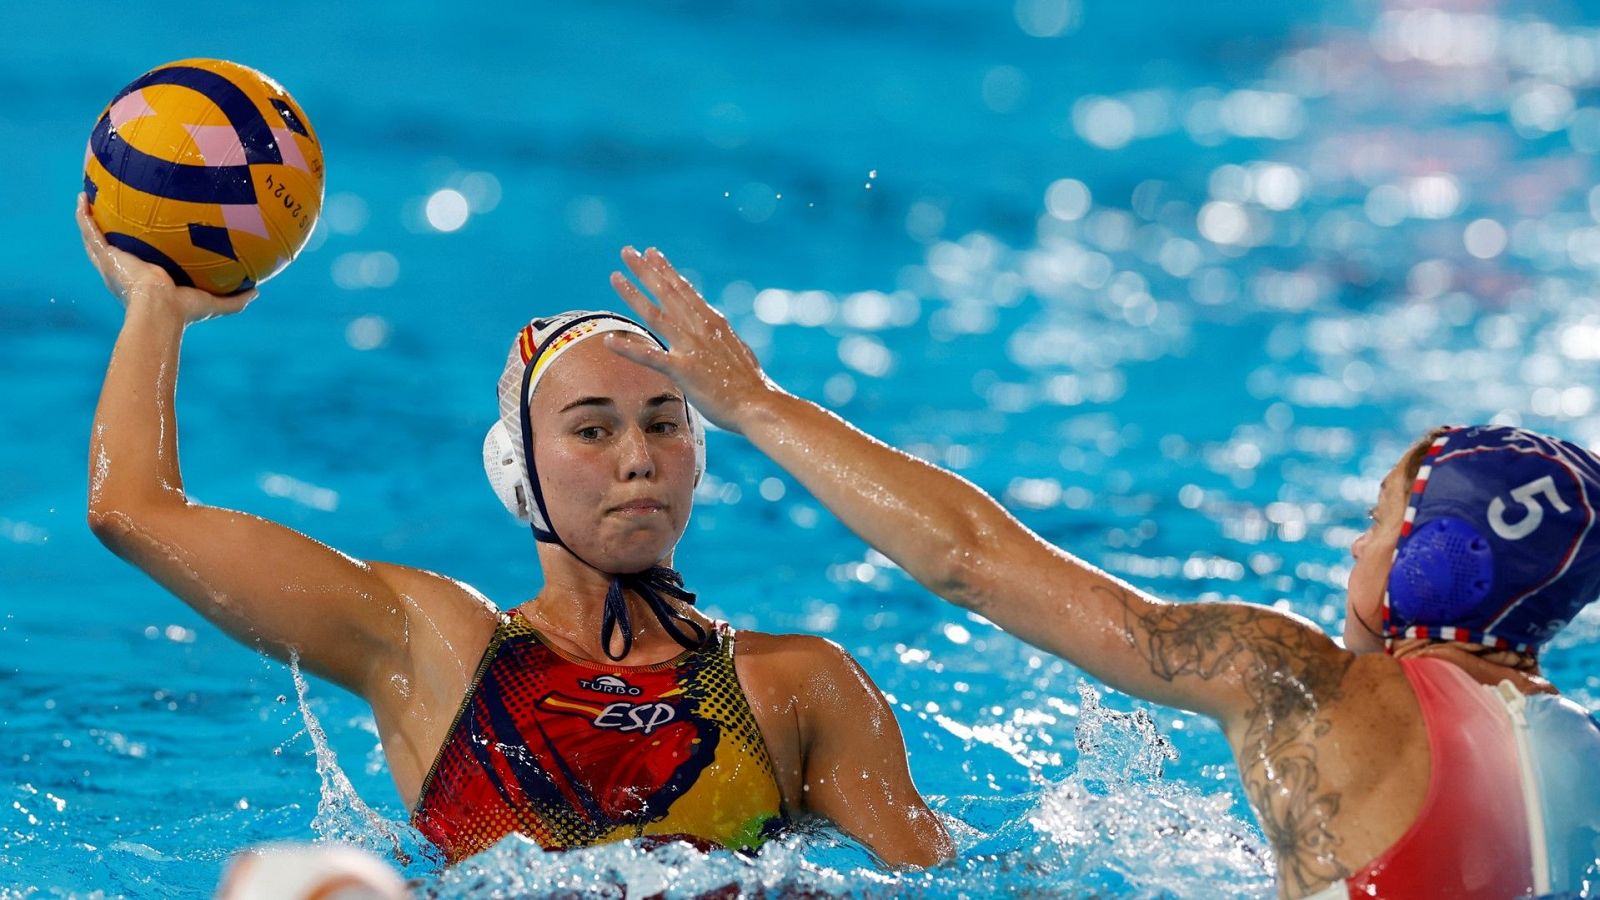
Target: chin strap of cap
{"x":649,"y":585}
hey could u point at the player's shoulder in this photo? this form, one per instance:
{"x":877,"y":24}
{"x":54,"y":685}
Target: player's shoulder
{"x":806,"y":666}
{"x":452,"y":609}
{"x":788,"y":648}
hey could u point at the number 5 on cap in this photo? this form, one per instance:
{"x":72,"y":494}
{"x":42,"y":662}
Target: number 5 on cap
{"x":1526,"y":495}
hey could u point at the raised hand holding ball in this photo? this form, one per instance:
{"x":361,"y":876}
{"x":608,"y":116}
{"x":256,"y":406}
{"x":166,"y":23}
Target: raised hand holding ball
{"x":208,"y":169}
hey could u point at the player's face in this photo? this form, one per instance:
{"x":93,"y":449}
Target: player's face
{"x":615,"y":457}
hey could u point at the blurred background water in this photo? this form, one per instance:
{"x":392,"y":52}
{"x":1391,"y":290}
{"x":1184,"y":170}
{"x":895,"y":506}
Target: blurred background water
{"x":1176,"y":282}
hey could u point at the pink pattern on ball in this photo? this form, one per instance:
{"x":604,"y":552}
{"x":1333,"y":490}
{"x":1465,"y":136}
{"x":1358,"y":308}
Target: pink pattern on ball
{"x":131,"y":107}
{"x":290,"y":150}
{"x":245,"y":218}
{"x":218,"y":144}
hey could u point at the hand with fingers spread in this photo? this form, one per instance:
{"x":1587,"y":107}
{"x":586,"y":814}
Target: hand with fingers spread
{"x":716,"y":369}
{"x":129,"y":277}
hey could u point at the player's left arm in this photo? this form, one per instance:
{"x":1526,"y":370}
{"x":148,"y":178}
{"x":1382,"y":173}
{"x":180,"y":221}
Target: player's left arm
{"x":855,"y":769}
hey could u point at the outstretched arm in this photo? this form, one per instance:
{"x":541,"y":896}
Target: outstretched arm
{"x":1228,"y":660}
{"x":262,"y":583}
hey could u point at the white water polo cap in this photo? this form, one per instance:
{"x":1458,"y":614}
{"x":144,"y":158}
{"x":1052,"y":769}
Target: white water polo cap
{"x":510,"y":441}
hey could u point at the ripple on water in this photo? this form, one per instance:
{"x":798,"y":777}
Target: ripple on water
{"x":1194,"y":376}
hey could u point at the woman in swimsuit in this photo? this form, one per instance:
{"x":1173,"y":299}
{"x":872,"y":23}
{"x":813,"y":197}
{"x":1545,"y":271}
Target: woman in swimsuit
{"x":1373,"y":773}
{"x":604,"y":708}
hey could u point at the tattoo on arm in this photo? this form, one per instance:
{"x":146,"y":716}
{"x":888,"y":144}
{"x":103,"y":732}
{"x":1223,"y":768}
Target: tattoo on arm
{"x":1286,"y":676}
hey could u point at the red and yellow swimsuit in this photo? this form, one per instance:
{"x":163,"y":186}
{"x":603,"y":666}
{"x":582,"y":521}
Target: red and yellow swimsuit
{"x":573,"y":753}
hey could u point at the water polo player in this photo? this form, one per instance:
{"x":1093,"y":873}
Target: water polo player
{"x":606,"y":707}
{"x":1374,"y":774}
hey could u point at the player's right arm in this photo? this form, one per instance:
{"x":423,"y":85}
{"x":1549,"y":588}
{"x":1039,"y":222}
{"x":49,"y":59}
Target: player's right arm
{"x":264,"y":584}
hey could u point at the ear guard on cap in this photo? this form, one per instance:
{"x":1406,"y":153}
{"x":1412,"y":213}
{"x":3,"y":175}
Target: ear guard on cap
{"x":1441,"y":575}
{"x":510,"y":480}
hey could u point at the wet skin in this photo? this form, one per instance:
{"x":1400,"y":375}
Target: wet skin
{"x":1329,"y":741}
{"x":408,"y":640}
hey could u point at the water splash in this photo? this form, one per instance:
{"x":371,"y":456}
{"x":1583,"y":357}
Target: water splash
{"x":1117,"y":826}
{"x":517,"y":866}
{"x":342,"y":816}
{"x":1117,"y":747}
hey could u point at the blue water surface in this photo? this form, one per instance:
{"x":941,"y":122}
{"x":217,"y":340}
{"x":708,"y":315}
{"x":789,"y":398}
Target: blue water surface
{"x":1176,"y":282}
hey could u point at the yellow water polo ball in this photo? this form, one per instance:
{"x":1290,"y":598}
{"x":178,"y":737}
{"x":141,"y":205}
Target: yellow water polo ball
{"x":208,"y":169}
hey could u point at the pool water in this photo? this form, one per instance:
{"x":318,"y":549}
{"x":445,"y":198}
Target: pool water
{"x":1177,"y":286}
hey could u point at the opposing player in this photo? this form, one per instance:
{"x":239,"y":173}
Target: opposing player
{"x":1426,"y":757}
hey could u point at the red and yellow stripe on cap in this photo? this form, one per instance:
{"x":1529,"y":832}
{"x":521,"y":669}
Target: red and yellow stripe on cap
{"x":526,"y":344}
{"x":568,"y":338}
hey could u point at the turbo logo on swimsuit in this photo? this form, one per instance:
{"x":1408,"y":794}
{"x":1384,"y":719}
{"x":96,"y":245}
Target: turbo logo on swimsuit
{"x":609,"y":684}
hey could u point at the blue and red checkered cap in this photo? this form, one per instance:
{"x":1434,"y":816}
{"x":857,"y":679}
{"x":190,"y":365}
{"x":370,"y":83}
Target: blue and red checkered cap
{"x":1499,"y":545}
